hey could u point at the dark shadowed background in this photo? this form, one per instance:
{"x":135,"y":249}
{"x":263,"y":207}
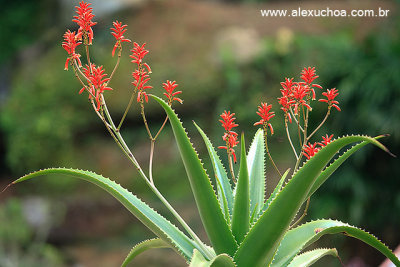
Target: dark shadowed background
{"x":223,"y":55}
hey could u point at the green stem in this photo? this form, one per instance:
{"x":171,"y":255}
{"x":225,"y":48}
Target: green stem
{"x":231,"y":167}
{"x":145,"y":120}
{"x":116,"y":64}
{"x":126,"y":110}
{"x":298,"y":127}
{"x":294,"y":117}
{"x":303,"y":215}
{"x":130,"y":156}
{"x":320,"y":125}
{"x":290,"y":140}
{"x":269,"y":155}
{"x":151,"y":161}
{"x":88,"y":58}
{"x":161,"y":128}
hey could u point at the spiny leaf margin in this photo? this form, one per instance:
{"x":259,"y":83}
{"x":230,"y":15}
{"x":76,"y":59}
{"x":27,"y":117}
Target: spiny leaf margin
{"x":149,"y":217}
{"x":142,"y":247}
{"x":256,"y":169}
{"x":262,"y":241}
{"x":224,"y":187}
{"x":308,"y":258}
{"x":211,"y":214}
{"x":306,"y":234}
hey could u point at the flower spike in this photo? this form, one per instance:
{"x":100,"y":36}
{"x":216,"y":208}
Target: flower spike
{"x":141,"y":73}
{"x":138,"y":53}
{"x":326,"y":140}
{"x":118,"y":32}
{"x":141,"y":77}
{"x":97,"y":84}
{"x":308,"y":75}
{"x":69,"y":45}
{"x":300,"y":91}
{"x":230,"y":137}
{"x":331,"y":95}
{"x":170,"y":94}
{"x":310,"y":150}
{"x":84,"y":20}
{"x":265,"y":114}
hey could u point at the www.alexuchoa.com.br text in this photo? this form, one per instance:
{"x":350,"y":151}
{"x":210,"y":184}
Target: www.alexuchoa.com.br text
{"x":327,"y":12}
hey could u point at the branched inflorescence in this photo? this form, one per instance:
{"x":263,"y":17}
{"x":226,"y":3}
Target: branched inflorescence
{"x":295,"y":101}
{"x":95,"y":81}
{"x":230,"y":137}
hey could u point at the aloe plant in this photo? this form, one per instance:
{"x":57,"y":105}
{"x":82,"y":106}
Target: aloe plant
{"x":244,"y":226}
{"x":268,"y":240}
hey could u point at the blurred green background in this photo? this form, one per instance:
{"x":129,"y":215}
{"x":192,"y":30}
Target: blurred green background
{"x":223,"y":55}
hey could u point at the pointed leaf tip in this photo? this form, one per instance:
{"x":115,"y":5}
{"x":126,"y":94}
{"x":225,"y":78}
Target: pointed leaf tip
{"x":241,"y":208}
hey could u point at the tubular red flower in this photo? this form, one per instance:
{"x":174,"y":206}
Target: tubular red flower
{"x":170,"y":94}
{"x":331,"y":95}
{"x":138,"y":53}
{"x":141,"y":77}
{"x":228,"y":120}
{"x":97,"y":84}
{"x":265,"y":114}
{"x":69,"y":45}
{"x":326,"y":140}
{"x":84,"y":20}
{"x":308,"y":75}
{"x":300,"y":91}
{"x":286,"y":103}
{"x":287,"y":86}
{"x":310,"y":150}
{"x":118,"y":32}
{"x":230,"y":137}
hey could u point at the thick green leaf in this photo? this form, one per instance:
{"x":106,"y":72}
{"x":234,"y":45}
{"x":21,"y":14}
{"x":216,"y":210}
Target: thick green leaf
{"x":260,"y":244}
{"x":149,"y":217}
{"x":277,"y":189}
{"x":335,"y":165}
{"x":211,"y":214}
{"x":256,"y":167}
{"x":310,"y":257}
{"x":302,"y":236}
{"x":224,"y":188}
{"x":241,"y":208}
{"x":142,"y":247}
{"x":222,"y":260}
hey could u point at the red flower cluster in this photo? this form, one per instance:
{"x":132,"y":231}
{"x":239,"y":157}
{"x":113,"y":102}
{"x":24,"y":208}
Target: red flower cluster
{"x":311,"y":149}
{"x":230,"y":137}
{"x":84,"y":20}
{"x":140,"y":75}
{"x":299,"y":93}
{"x":296,"y":94}
{"x":265,"y":114}
{"x":170,"y":94}
{"x":69,"y":45}
{"x":97,"y":83}
{"x":138,"y":53}
{"x":330,"y":95}
{"x":118,"y":32}
{"x":308,"y":76}
{"x":326,"y":140}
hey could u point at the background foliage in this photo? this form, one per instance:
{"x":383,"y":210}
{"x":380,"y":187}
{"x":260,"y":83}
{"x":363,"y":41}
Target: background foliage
{"x":44,"y":122}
